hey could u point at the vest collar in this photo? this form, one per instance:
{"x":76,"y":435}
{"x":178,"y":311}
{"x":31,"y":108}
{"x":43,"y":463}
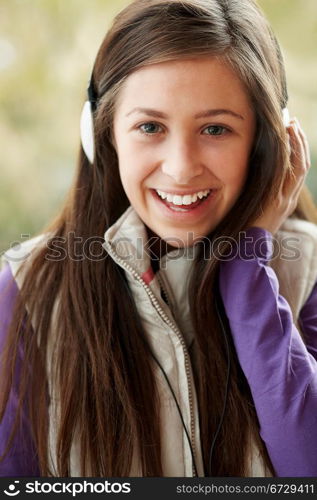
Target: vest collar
{"x":127,"y":242}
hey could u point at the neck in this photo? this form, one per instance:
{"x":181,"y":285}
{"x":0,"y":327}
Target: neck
{"x":158,"y":248}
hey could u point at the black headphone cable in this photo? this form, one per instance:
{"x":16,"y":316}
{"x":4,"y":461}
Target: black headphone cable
{"x":223,"y":329}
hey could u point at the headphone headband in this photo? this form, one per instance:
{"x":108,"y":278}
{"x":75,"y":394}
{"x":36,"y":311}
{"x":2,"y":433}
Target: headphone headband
{"x":90,"y":106}
{"x":92,"y":93}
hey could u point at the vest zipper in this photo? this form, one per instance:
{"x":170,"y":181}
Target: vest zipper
{"x":178,"y":333}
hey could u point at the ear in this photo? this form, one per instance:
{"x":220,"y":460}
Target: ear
{"x":87,"y":132}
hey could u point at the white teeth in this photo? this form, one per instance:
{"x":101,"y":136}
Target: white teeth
{"x":162,"y":195}
{"x":187,"y":199}
{"x":177,"y":200}
{"x":169,"y":197}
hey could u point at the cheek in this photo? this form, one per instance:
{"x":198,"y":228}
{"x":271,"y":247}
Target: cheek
{"x":132,"y":173}
{"x":136,"y":163}
{"x":234,"y":168}
{"x":238,"y":175}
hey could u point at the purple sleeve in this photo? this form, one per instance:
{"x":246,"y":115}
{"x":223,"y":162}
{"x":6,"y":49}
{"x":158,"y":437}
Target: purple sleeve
{"x":21,"y":459}
{"x":308,"y":322}
{"x":281,"y":373}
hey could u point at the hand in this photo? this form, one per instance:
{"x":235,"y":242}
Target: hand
{"x":285,"y":203}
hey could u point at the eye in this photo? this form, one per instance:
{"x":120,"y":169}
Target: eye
{"x":215,"y":130}
{"x":150,"y":128}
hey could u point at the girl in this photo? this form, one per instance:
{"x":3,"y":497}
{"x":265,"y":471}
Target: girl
{"x":164,"y":324}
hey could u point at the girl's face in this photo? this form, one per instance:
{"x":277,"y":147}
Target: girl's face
{"x":183,"y":132}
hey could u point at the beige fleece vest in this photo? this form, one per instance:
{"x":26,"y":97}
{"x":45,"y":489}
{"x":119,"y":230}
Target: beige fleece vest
{"x":296,"y":268}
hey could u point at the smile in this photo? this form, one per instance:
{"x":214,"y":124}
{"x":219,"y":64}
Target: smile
{"x":187,"y":199}
{"x":184,"y":206}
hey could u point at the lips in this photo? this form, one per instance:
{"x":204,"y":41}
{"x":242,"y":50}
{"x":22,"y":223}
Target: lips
{"x":181,"y":200}
{"x":183,"y":192}
{"x":183,"y":212}
{"x":184,"y":208}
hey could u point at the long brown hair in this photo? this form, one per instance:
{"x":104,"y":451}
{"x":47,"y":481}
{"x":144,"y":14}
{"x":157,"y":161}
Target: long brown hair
{"x":83,"y":345}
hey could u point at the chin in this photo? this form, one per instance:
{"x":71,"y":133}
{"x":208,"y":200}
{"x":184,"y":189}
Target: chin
{"x":181,"y":239}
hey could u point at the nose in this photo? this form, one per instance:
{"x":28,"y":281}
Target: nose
{"x":182,"y":161}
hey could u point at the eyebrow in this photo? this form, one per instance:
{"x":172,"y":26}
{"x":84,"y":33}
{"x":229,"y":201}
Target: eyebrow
{"x":204,"y":114}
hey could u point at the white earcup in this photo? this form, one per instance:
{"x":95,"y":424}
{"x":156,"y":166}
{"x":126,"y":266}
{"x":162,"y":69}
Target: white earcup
{"x":87,"y":132}
{"x":286,"y":117}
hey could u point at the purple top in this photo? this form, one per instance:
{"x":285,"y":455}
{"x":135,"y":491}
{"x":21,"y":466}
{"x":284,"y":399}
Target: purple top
{"x":280,"y":369}
{"x":17,"y":462}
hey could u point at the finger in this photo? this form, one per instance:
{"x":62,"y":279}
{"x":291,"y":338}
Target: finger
{"x":291,"y":191}
{"x":297,"y":147}
{"x":298,"y":152}
{"x":295,"y":177}
{"x":305,"y":143}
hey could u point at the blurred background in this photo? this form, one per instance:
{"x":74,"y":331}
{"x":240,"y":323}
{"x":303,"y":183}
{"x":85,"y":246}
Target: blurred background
{"x":47,"y":49}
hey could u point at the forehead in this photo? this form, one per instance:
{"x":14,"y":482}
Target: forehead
{"x":188,"y":82}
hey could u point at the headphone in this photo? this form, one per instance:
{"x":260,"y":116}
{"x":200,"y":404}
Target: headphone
{"x":88,"y":144}
{"x":87,"y":121}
